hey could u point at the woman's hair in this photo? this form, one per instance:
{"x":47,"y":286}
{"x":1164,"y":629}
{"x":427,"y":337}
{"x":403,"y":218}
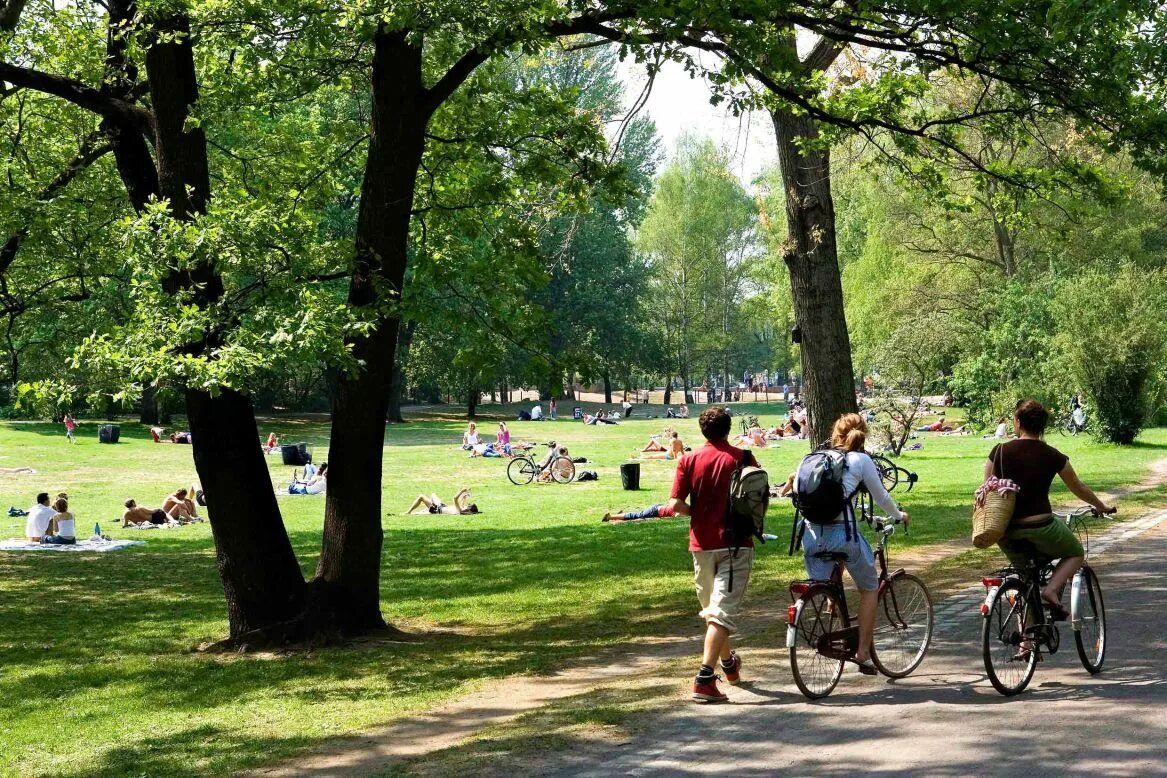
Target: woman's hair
{"x":1032,"y":416}
{"x":849,"y":432}
{"x":323,"y":468}
{"x":181,"y":492}
{"x":131,"y":503}
{"x":472,"y":425}
{"x":61,"y":505}
{"x":676,"y":435}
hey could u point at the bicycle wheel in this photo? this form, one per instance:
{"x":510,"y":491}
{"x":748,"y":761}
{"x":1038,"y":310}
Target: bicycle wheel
{"x":521,"y":471}
{"x":1009,"y":667}
{"x":563,"y":470}
{"x":903,"y":626}
{"x":1090,"y":619}
{"x":815,"y":674}
{"x":888,"y":472}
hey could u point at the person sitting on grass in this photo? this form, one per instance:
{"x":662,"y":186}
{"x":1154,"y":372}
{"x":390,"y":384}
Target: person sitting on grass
{"x":61,"y":531}
{"x":470,"y":437}
{"x":139,"y":514}
{"x":503,"y":439}
{"x":433,"y":504}
{"x":40,"y":516}
{"x":316,"y":484}
{"x":1000,"y":433}
{"x":272,"y":444}
{"x":755,"y":438}
{"x":654,"y":443}
{"x":179,"y":507}
{"x":674,"y":450}
{"x":556,"y":463}
{"x":181,"y":437}
{"x":661,"y":511}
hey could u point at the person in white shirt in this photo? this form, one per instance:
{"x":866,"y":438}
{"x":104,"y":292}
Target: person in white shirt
{"x":470,"y":437}
{"x":627,"y":408}
{"x":61,"y":531}
{"x":849,"y":434}
{"x":317,"y":484}
{"x":537,"y":413}
{"x":39,"y":517}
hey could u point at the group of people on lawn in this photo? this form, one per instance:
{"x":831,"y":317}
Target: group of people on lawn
{"x":51,"y":522}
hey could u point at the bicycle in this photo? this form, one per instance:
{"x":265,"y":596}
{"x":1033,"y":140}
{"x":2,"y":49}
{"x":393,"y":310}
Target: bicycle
{"x":1014,"y":614}
{"x":523,"y":469}
{"x":890,"y":473}
{"x":1068,"y":425}
{"x":819,"y":632}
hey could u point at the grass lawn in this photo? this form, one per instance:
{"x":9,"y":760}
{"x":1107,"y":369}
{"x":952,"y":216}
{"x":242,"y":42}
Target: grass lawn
{"x":99,"y":668}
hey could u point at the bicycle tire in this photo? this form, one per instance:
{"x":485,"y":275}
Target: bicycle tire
{"x":521,"y":471}
{"x":1001,"y":635}
{"x":562,"y":472}
{"x":1090,"y":623}
{"x":888,"y":472}
{"x":815,"y":675}
{"x":904,"y":621}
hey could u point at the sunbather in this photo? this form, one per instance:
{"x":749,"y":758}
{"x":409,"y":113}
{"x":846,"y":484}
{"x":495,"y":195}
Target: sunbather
{"x":139,"y":514}
{"x":433,"y":504}
{"x":179,"y":507}
{"x":651,"y":512}
{"x":316,"y":484}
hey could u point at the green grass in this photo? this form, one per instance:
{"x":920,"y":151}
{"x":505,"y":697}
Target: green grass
{"x":101,"y":672}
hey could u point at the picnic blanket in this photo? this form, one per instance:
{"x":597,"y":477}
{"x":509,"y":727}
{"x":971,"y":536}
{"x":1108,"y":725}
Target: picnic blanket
{"x":168,"y":525}
{"x":18,"y":544}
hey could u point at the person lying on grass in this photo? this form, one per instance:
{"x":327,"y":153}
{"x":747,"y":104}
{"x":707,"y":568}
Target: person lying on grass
{"x":139,"y":514}
{"x":61,"y":530}
{"x":179,"y":507}
{"x":433,"y":504}
{"x":317,"y":483}
{"x":660,"y":511}
{"x":756,"y":438}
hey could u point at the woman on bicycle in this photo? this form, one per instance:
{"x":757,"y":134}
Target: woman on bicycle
{"x":1032,"y":464}
{"x":850,"y":435}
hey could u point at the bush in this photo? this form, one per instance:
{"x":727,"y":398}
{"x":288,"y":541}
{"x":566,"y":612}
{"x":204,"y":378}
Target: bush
{"x":1112,"y":329}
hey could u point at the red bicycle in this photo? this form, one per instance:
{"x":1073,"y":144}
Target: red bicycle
{"x":821,"y":636}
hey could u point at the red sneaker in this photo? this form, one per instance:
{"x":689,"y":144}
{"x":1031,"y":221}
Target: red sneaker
{"x":708,"y":691}
{"x":733,"y":673}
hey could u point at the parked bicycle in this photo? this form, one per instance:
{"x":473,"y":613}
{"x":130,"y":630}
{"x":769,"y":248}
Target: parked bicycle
{"x":892,"y":474}
{"x":523,"y":469}
{"x":1018,"y":628}
{"x":821,"y":636}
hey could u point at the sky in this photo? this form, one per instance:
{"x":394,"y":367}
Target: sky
{"x":679,"y":103}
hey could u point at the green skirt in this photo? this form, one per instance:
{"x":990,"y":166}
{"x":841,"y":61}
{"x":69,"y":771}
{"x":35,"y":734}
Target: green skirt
{"x":1052,"y":541}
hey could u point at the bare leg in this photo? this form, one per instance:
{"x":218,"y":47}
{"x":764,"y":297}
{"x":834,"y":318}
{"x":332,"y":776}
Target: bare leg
{"x":867,"y":603}
{"x":1062,"y":573}
{"x":716,"y":644}
{"x":420,"y":501}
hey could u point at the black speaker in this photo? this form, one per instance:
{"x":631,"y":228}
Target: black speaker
{"x":109,"y":433}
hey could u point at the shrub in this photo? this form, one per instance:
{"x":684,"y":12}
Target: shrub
{"x":1112,"y":329}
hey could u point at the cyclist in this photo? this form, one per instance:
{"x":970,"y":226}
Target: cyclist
{"x":1032,"y":464}
{"x":849,"y":434}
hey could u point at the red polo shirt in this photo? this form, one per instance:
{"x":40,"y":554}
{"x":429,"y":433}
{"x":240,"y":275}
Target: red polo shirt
{"x":705,"y":474}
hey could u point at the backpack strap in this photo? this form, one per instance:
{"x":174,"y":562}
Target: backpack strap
{"x":741,"y":463}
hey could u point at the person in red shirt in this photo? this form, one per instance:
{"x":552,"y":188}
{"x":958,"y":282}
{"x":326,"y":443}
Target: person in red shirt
{"x":701,"y":492}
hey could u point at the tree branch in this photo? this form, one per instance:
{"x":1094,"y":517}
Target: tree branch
{"x":79,"y":94}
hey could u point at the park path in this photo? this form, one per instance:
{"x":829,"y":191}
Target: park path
{"x":449,"y":725}
{"x":946,"y":719}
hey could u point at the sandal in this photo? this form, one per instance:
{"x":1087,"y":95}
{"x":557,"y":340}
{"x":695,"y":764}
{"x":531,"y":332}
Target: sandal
{"x":1057,"y":612}
{"x":866,"y":667}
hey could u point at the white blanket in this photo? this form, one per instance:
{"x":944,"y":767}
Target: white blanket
{"x":18,"y":544}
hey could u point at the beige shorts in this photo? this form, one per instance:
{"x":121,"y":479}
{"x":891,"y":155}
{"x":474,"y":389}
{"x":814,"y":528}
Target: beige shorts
{"x":711,"y":569}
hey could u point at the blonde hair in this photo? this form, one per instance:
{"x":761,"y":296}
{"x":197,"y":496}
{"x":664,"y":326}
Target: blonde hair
{"x":849,"y":432}
{"x":61,"y":505}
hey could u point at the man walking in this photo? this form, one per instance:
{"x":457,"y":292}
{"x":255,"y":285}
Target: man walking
{"x":701,"y":491}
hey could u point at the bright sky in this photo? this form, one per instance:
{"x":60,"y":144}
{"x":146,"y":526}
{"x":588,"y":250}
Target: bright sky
{"x":678,"y":104}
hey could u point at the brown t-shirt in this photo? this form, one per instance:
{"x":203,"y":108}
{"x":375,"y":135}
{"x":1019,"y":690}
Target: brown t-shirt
{"x":1032,"y":464}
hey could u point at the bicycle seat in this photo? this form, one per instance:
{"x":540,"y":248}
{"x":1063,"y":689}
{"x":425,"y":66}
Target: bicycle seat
{"x":831,"y":556}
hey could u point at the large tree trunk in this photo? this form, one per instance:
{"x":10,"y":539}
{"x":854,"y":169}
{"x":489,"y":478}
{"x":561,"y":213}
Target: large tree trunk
{"x":472,"y":402}
{"x":397,"y":385}
{"x":348,"y":575}
{"x":261,"y":578}
{"x":149,"y":413}
{"x":607,"y":387}
{"x":815,"y":281}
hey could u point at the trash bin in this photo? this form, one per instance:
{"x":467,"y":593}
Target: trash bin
{"x":296,"y":454}
{"x":630,"y":476}
{"x":577,"y":413}
{"x":108,"y":433}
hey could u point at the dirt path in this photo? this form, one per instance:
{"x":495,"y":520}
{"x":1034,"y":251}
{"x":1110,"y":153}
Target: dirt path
{"x":451,"y":724}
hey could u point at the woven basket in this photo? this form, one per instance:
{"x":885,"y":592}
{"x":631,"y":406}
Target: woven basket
{"x":991,"y":519}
